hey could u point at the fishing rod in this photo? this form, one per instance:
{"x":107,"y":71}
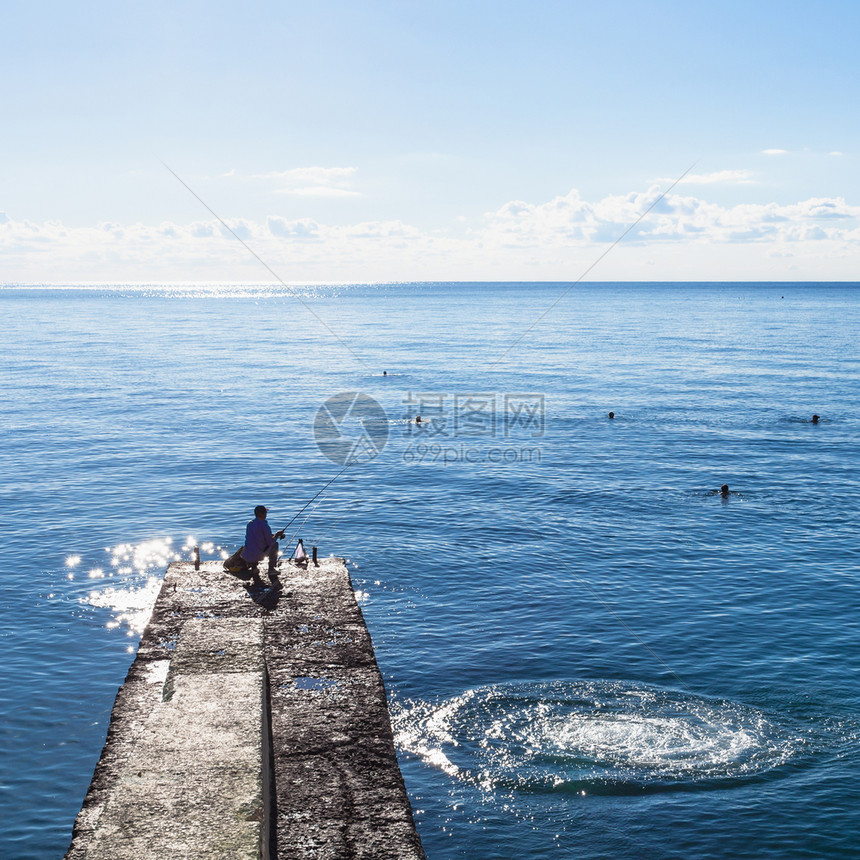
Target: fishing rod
{"x":301,"y":525}
{"x":282,"y":531}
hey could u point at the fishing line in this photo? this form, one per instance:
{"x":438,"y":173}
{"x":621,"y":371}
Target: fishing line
{"x":579,"y":279}
{"x":277,"y":277}
{"x":299,"y":513}
{"x":293,"y":293}
{"x":318,"y":495}
{"x":301,"y":525}
{"x":602,"y":256}
{"x":358,"y":358}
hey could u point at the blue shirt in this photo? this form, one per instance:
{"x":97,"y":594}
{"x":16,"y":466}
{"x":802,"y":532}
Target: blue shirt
{"x":258,"y":540}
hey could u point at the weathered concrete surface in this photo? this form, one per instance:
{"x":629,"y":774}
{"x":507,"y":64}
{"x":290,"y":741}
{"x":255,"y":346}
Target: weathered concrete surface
{"x":340,"y":791}
{"x":222,"y":672}
{"x":190,"y":783}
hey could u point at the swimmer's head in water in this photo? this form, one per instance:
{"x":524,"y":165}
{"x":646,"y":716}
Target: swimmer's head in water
{"x":611,"y":414}
{"x":724,"y":490}
{"x":814,"y":419}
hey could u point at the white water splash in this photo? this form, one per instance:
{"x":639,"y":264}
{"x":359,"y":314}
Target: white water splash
{"x":575,"y":734}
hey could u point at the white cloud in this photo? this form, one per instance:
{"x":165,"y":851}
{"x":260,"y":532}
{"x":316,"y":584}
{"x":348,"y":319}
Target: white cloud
{"x":313,"y":181}
{"x":235,"y":227}
{"x":318,"y":191}
{"x":201,"y":229}
{"x":304,"y":228}
{"x":742,"y":177}
{"x":312,"y":175}
{"x":675,"y":219}
{"x":682,"y":236}
{"x":825,"y":207}
{"x":774,"y":152}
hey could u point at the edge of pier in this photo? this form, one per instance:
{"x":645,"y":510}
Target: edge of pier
{"x":252,"y":723}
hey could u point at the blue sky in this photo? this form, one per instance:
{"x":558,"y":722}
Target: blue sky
{"x":420,"y":141}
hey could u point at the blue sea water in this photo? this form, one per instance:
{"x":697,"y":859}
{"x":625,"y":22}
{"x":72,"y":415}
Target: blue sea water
{"x":588,"y":651}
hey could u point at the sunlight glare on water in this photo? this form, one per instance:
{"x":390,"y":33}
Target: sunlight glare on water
{"x":131,"y":604}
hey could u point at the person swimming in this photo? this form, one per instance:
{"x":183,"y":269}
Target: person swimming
{"x":724,"y":491}
{"x":611,"y":414}
{"x":815,"y":419}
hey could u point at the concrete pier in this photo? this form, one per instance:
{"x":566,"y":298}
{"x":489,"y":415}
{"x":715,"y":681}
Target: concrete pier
{"x":253,"y":723}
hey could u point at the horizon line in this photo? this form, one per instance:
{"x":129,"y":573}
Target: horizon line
{"x":392,"y":282}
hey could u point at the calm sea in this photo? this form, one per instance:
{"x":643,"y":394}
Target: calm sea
{"x":588,"y":651}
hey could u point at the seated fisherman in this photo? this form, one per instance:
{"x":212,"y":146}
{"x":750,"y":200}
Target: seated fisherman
{"x":261,"y":543}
